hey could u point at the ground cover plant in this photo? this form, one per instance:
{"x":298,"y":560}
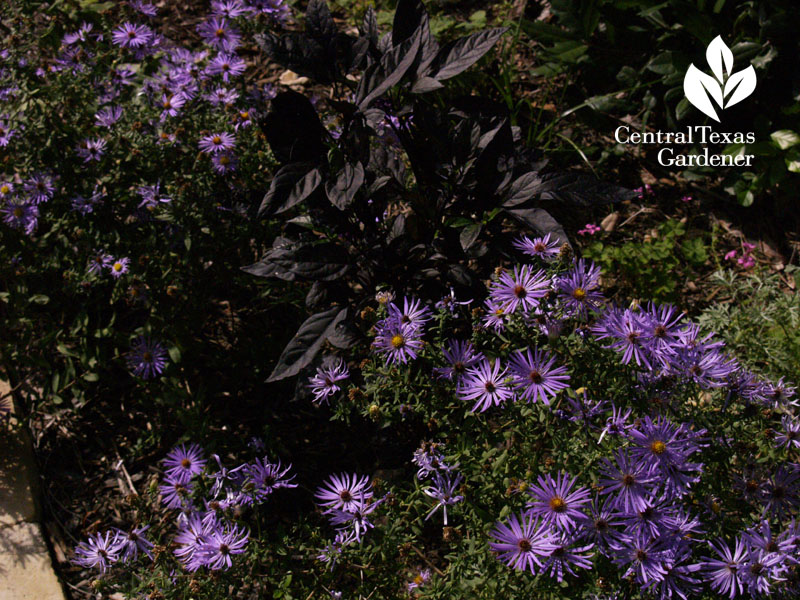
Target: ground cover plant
{"x":343,"y":339}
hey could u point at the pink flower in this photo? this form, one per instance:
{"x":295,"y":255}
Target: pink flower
{"x":730,"y":255}
{"x":686,"y":199}
{"x":590,"y":229}
{"x":748,"y":247}
{"x":746,"y":261}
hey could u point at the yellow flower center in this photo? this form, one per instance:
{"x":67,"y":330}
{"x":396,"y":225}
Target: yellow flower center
{"x":419,"y":580}
{"x":117,"y":266}
{"x":18,"y":212}
{"x":658,"y":447}
{"x":220,"y":32}
{"x":244,"y":115}
{"x":579,"y":293}
{"x":398,"y":341}
{"x":5,"y":189}
{"x":557,"y":504}
{"x":224,"y":160}
{"x":216,"y":139}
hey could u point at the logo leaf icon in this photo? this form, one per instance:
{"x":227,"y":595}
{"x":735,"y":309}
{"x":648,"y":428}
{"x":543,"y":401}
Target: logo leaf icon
{"x":740,"y":85}
{"x":718,"y":55}
{"x":697,"y":86}
{"x":701,"y":88}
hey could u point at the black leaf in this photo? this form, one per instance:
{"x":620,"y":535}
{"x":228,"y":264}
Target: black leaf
{"x":426,"y":84}
{"x":311,"y":262}
{"x":282,"y":185}
{"x":319,"y":22}
{"x":460,"y":54}
{"x":470,"y":234}
{"x":541,"y":222}
{"x":342,"y":191}
{"x":381,"y":76}
{"x":302,"y":190}
{"x":524,"y":188}
{"x":407,"y":18}
{"x":293,"y":129}
{"x":305,"y":344}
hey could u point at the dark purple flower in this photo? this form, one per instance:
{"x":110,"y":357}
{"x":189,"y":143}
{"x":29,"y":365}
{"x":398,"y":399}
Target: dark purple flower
{"x":132,"y":542}
{"x":485,"y":385}
{"x":522,"y":288}
{"x":557,"y":501}
{"x":629,"y":482}
{"x":227,"y":65}
{"x":100,"y":551}
{"x":217,"y":142}
{"x":219,"y":35}
{"x":224,"y":162}
{"x":577,"y":289}
{"x":148,"y":10}
{"x":541,"y":247}
{"x":780,"y":494}
{"x":461,"y":356}
{"x":175,"y":493}
{"x":724,"y":570}
{"x":534,"y":377}
{"x":413,"y":312}
{"x":524,"y":544}
{"x":130,"y":35}
{"x":182,"y":462}
{"x":220,"y":545}
{"x":443,"y":489}
{"x":91,"y":150}
{"x":790,"y":436}
{"x":39,"y":187}
{"x":147,"y":358}
{"x":229,"y":8}
{"x":193,"y":533}
{"x":222,"y":96}
{"x":644,"y":557}
{"x":566,"y":556}
{"x":344,"y":491}
{"x":399,"y":342}
{"x":21,"y":214}
{"x":324,"y":383}
{"x":265,"y":477}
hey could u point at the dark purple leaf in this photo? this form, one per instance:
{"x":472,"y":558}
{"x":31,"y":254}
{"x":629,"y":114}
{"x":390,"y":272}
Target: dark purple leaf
{"x":469,"y":235}
{"x":305,"y":344}
{"x":460,"y":54}
{"x":407,"y":18}
{"x":541,"y":222}
{"x":282,"y":185}
{"x":426,"y":84}
{"x":319,"y":22}
{"x":342,"y":191}
{"x":524,"y":188}
{"x":381,"y":76}
{"x":302,"y":190}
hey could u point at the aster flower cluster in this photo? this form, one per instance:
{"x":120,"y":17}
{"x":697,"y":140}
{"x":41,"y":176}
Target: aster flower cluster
{"x":398,"y":337}
{"x":207,"y":532}
{"x":444,"y":481}
{"x":347,"y":500}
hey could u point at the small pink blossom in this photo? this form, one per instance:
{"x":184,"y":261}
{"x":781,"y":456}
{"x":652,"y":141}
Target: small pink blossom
{"x":590,"y":229}
{"x":730,"y":255}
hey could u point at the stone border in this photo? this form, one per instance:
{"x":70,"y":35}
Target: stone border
{"x":26,"y":570}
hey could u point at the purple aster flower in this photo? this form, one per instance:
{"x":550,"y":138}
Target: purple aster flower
{"x":399,"y":342}
{"x":171,"y":105}
{"x":175,"y":493}
{"x":780,"y":393}
{"x":660,"y":443}
{"x":78,"y":36}
{"x":324,"y":383}
{"x":430,"y":460}
{"x":461,"y":356}
{"x":344,"y":491}
{"x":680,"y":579}
{"x":662,"y":324}
{"x":277,"y":10}
{"x":99,"y":262}
{"x":534,"y":377}
{"x":217,"y":142}
{"x":599,"y":526}
{"x":219,"y":35}
{"x":523,"y":544}
{"x":330,"y":553}
{"x":193,"y":533}
{"x":420,"y":579}
{"x":85,"y":205}
{"x":790,"y":436}
{"x":222,"y":96}
{"x":628,"y":481}
{"x":780,"y":492}
{"x":759,"y":571}
{"x":130,"y":35}
{"x":39,"y":187}
{"x":220,"y":545}
{"x":449,"y":302}
{"x":413,"y":312}
{"x":725,"y":570}
{"x":357,"y":517}
{"x":443,"y":490}
{"x":653,"y":519}
{"x":557,"y":501}
{"x":644,"y":557}
{"x":227,"y":65}
{"x":148,"y":10}
{"x":617,"y":423}
{"x":91,"y":150}
{"x":224,"y":476}
{"x":147,"y":358}
{"x":485,"y":385}
{"x":132,"y":542}
{"x":21,"y":214}
{"x":151,"y":196}
{"x":521,"y":288}
{"x":541,"y":247}
{"x":6,"y":133}
{"x":566,"y":556}
{"x":229,"y":8}
{"x":224,"y":162}
{"x":762,"y":538}
{"x":627,"y":331}
{"x":118,"y":267}
{"x":6,"y":190}
{"x":182,"y":463}
{"x":100,"y":551}
{"x":577,"y":289}
{"x":265,"y":477}
{"x":496,"y":315}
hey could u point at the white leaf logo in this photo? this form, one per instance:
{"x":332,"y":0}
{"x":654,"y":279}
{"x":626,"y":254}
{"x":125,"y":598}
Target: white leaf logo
{"x":701,"y":88}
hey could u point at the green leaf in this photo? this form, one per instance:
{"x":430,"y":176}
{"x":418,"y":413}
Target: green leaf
{"x":175,"y":354}
{"x":785,"y":138}
{"x":39,"y":299}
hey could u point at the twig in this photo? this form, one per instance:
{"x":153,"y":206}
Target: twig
{"x":427,"y":562}
{"x":121,"y":466}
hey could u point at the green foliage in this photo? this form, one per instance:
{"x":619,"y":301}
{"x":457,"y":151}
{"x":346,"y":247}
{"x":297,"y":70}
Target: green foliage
{"x":759,"y":319}
{"x":656,"y":267}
